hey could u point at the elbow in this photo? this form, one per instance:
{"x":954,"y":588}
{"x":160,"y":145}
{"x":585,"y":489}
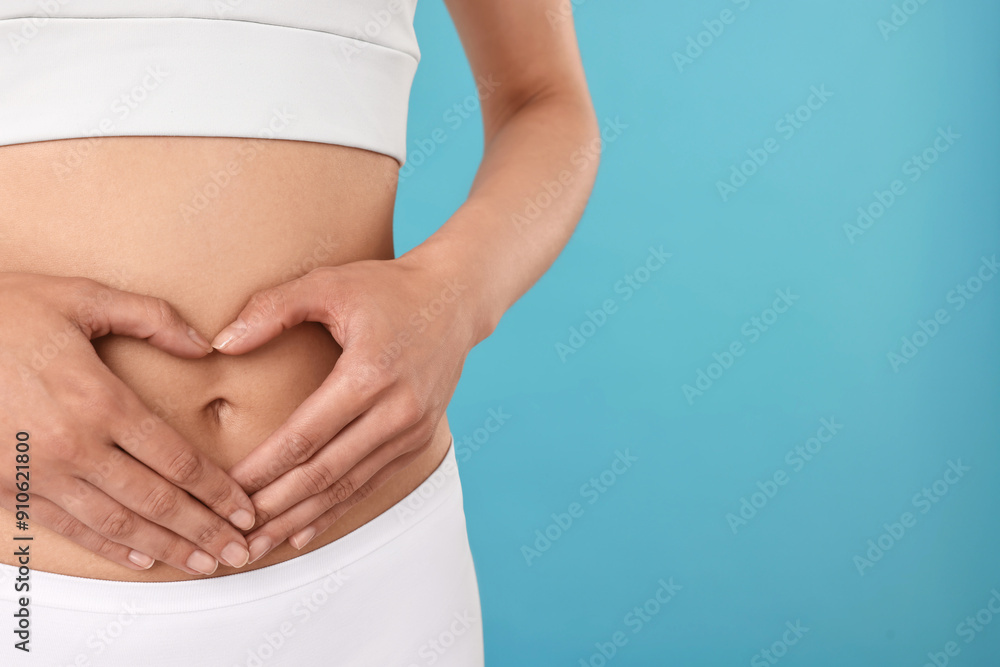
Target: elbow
{"x":590,"y":139}
{"x":593,"y":132}
{"x":567,"y":110}
{"x":574,"y":116}
{"x":577,"y":117}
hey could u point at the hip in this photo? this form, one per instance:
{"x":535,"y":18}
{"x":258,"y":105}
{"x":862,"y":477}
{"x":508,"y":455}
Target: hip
{"x":55,"y":554}
{"x":400,"y":590}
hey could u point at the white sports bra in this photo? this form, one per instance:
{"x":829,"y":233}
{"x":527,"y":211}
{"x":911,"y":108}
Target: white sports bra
{"x":330,"y":71}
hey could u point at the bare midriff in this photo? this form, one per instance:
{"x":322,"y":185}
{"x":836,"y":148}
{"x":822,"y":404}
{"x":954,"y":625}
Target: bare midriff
{"x":202,"y":222}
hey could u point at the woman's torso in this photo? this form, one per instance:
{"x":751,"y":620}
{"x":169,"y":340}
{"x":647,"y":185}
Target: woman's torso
{"x":202,"y":222}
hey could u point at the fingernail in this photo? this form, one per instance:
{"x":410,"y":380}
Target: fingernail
{"x":242,"y":519}
{"x":259,"y":546}
{"x":199,"y":339}
{"x":235,"y":555}
{"x":140,"y":559}
{"x":300,"y":539}
{"x":229,"y":334}
{"x":200,"y":561}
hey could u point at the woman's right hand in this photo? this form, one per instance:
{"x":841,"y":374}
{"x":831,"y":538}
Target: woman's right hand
{"x":105,"y":471}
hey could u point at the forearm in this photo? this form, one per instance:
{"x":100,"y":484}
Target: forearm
{"x":529,"y":193}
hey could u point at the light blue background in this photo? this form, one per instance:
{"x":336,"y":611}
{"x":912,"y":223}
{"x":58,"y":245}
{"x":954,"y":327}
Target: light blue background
{"x":826,"y":357}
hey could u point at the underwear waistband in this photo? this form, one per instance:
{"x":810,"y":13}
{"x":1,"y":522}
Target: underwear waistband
{"x":104,"y":596}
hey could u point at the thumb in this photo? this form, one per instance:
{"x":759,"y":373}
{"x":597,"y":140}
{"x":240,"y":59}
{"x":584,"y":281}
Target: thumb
{"x":107,"y":310}
{"x":271,"y":311}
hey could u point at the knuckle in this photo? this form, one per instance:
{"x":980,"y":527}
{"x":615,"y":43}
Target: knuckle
{"x":175,"y":551}
{"x":257,"y":480}
{"x":265,"y":511}
{"x":83,"y":291}
{"x":161,"y":502}
{"x":86,"y":299}
{"x":340,"y":491}
{"x":119,"y":523}
{"x":330,"y":516}
{"x":90,"y":397}
{"x":267,"y":303}
{"x":364,"y":491}
{"x":65,"y":446}
{"x":185,"y":468}
{"x":423,"y":432}
{"x":105,"y":547}
{"x":105,"y":404}
{"x":66,"y":525}
{"x":217,"y":495}
{"x":315,"y":478}
{"x":209,"y":532}
{"x":297,"y":447}
{"x":371,"y":379}
{"x":161,"y":312}
{"x":410,"y":408}
{"x":74,"y":492}
{"x":281,"y":528}
{"x":321,"y":274}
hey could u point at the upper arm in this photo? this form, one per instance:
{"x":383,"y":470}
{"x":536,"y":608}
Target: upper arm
{"x":527,"y":47}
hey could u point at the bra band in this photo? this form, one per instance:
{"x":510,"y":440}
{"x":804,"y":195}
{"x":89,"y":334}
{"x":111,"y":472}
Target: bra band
{"x":340,"y":74}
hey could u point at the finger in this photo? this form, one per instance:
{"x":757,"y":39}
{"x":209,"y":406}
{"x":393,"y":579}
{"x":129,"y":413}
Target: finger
{"x":332,"y":515}
{"x":113,"y":521}
{"x":348,"y":391}
{"x":58,"y":520}
{"x":314,"y":515}
{"x":150,"y":440}
{"x":141,"y":490}
{"x":328,"y":468}
{"x":271,"y":311}
{"x":100,"y":310}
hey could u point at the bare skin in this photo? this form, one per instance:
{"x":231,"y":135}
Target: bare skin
{"x":304,"y":410}
{"x":267,"y":226}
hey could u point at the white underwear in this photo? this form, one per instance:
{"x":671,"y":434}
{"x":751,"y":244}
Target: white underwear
{"x":400,"y":591}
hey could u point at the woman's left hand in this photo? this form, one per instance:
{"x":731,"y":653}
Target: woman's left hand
{"x":405,"y":330}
